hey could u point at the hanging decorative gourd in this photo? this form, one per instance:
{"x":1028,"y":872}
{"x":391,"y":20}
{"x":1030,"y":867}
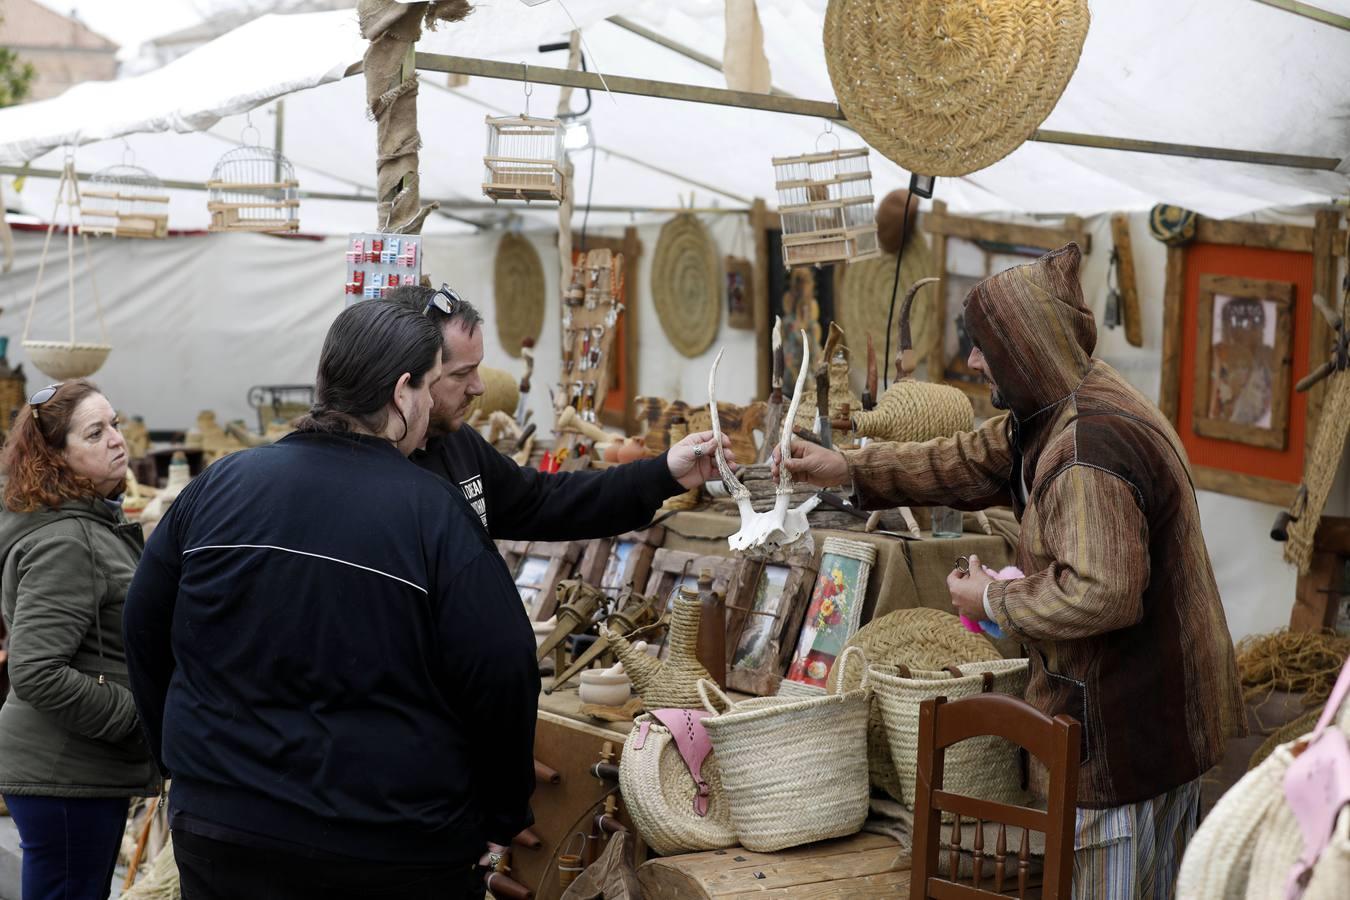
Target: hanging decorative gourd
{"x":253,"y":188}
{"x":63,"y":360}
{"x":825,"y":200}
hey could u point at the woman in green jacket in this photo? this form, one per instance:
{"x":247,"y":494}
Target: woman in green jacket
{"x":71,"y":751}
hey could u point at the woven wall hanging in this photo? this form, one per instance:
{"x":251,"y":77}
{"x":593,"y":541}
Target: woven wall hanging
{"x":863,"y":297}
{"x":687,"y":285}
{"x":947,"y":87}
{"x":518,"y":289}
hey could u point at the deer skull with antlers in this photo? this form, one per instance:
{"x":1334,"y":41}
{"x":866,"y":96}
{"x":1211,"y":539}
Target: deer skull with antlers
{"x":779,"y":526}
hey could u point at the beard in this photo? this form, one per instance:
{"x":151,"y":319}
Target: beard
{"x":996,"y":398}
{"x":441,"y":423}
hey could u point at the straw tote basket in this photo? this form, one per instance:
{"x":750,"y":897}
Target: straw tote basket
{"x":947,"y":87}
{"x":658,"y":792}
{"x":795,"y":771}
{"x":986,"y":767}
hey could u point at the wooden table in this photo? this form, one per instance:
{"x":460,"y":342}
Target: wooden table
{"x":861,"y":867}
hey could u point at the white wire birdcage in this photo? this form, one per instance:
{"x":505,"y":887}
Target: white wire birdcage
{"x":524,"y":159}
{"x":825,"y":200}
{"x":253,"y":188}
{"x":125,"y":201}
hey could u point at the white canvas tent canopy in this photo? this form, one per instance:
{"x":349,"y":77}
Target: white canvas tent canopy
{"x":195,"y":320}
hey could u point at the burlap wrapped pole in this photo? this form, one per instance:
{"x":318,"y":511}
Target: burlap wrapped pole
{"x":391,"y":100}
{"x":1324,"y":462}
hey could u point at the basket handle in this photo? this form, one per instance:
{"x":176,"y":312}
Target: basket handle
{"x":703,"y":686}
{"x":849,"y":653}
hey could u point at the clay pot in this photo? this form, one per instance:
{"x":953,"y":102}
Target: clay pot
{"x":632,"y":449}
{"x":605,"y":688}
{"x":890,"y":219}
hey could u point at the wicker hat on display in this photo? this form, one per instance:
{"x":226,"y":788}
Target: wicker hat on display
{"x":947,"y":87}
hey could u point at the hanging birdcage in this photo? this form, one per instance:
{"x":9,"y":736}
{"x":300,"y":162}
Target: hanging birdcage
{"x":524,"y":159}
{"x":825,"y":200}
{"x":124,"y":201}
{"x":253,"y":188}
{"x":63,"y":360}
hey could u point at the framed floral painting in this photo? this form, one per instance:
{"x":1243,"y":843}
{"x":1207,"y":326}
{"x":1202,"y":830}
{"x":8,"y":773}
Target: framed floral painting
{"x":833,"y":614}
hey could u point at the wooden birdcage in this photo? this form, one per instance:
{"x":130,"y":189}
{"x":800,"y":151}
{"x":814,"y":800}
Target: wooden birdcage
{"x":253,"y":188}
{"x":124,"y":201}
{"x":825,"y":200}
{"x":524,"y":159}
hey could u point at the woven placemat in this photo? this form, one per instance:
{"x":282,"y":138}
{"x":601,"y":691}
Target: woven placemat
{"x":947,"y":87}
{"x":687,"y":285}
{"x":863,"y":298}
{"x":518,"y":289}
{"x":922,"y":639}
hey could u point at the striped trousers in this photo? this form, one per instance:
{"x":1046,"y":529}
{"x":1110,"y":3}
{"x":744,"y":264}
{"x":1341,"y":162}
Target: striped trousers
{"x":1134,"y":852}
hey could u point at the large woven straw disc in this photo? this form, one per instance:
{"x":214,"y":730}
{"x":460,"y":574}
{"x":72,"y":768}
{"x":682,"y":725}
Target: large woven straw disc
{"x":518,"y":286}
{"x":947,"y":87}
{"x":687,"y":285}
{"x":927,"y":639}
{"x":863,"y":298}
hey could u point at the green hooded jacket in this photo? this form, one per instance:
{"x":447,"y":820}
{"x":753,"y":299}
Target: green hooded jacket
{"x":64,"y":731}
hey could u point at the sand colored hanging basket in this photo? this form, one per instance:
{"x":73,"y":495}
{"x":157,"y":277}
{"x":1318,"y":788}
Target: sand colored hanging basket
{"x":687,"y":285}
{"x":947,"y":87}
{"x":518,"y":288}
{"x":64,"y":360}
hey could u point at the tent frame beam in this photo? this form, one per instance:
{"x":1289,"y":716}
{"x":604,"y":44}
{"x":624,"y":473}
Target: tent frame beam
{"x":643,"y":87}
{"x":1309,"y":11}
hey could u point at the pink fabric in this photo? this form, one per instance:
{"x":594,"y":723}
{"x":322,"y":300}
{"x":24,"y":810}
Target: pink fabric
{"x":1007,"y":573}
{"x":1317,"y":785}
{"x":691,"y":740}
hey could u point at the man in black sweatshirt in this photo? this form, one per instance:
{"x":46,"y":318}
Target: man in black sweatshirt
{"x":518,"y":503}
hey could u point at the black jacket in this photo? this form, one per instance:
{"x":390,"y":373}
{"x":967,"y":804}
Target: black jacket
{"x":525,"y":504}
{"x":330,"y":657}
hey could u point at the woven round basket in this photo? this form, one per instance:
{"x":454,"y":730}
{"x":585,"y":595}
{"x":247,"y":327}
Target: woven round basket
{"x":864,"y":298}
{"x":518,"y":291}
{"x":919,"y":639}
{"x":947,"y":87}
{"x":985,"y":767}
{"x":687,"y":285}
{"x":794,"y":770}
{"x":658,"y":793}
{"x":63,"y":360}
{"x":1175,"y":226}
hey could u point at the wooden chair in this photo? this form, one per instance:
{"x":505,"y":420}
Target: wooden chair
{"x":1055,"y":742}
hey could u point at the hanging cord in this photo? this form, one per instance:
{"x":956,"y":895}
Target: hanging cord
{"x":590,"y":188}
{"x":895,"y":287}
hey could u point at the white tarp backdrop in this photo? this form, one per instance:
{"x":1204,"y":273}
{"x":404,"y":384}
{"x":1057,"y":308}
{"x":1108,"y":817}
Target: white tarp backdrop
{"x":196,"y":319}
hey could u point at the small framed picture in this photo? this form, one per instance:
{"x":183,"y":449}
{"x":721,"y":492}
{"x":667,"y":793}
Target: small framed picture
{"x":764,"y":614}
{"x":834,"y":612}
{"x":1243,"y":356}
{"x":673,"y":569}
{"x":537,"y":567}
{"x":740,"y":292}
{"x":620,"y":563}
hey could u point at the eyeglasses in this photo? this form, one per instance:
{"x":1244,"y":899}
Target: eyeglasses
{"x":446,"y":300}
{"x":42,"y":397}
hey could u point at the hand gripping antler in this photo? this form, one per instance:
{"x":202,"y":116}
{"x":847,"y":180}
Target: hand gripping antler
{"x":779,"y":526}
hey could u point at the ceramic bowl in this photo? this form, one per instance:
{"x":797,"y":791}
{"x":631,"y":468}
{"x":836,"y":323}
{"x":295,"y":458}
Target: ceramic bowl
{"x":605,"y":689}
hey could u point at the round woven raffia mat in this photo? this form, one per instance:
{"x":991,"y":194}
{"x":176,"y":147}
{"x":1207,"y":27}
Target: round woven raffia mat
{"x":863,"y":299}
{"x":927,"y":639}
{"x":518,"y":288}
{"x":947,"y":87}
{"x":687,"y":285}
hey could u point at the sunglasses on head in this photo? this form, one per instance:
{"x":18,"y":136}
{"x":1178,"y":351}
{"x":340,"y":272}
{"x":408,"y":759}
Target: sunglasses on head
{"x":42,"y":397}
{"x":446,"y":300}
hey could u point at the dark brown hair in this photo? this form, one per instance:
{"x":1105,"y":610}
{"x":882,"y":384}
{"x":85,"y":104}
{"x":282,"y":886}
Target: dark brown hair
{"x":32,"y":461}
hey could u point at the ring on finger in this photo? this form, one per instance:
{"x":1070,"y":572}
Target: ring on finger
{"x":698,"y":451}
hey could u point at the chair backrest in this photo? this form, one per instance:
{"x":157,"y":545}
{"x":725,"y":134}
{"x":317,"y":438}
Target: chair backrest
{"x":1055,"y":742}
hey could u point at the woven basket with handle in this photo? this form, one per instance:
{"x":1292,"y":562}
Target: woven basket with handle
{"x":989,"y":768}
{"x":794,"y":770}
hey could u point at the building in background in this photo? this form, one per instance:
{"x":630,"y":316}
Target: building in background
{"x":63,"y":50}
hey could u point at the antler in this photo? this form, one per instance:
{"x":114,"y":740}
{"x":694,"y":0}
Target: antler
{"x":785,"y":445}
{"x":738,"y":491}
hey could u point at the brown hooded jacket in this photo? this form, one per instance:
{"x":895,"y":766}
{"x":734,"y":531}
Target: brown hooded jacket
{"x":1119,"y":609}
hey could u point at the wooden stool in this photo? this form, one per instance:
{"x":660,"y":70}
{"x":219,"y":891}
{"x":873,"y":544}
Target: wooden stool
{"x":860,"y":867}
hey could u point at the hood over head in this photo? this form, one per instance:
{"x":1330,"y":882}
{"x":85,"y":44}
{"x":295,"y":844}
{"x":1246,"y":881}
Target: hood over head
{"x":1034,"y":330}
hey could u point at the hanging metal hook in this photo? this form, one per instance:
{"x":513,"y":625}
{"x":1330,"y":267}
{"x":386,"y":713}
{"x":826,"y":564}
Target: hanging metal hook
{"x":128,"y":154}
{"x":529,"y":88}
{"x":249,"y":126}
